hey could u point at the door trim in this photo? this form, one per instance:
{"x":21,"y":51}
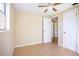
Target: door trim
{"x":42,"y":30}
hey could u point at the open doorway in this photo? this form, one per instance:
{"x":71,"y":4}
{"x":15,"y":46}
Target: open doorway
{"x":55,"y":30}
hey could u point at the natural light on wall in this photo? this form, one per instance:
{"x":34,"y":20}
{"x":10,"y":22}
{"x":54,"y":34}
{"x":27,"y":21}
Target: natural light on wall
{"x":4,"y":17}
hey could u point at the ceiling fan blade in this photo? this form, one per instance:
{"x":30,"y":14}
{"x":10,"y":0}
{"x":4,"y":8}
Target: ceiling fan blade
{"x":42,"y":6}
{"x":56,"y":4}
{"x":74,"y":3}
{"x":49,"y":4}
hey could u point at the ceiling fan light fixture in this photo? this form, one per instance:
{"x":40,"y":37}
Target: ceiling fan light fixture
{"x":45,"y":10}
{"x":54,"y":9}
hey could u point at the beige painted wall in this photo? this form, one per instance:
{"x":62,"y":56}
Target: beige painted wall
{"x":6,"y":38}
{"x":28,"y":28}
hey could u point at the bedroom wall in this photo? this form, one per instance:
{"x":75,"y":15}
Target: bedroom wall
{"x":28,"y":28}
{"x":6,"y":38}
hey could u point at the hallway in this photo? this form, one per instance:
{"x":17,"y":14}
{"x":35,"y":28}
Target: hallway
{"x":48,"y":49}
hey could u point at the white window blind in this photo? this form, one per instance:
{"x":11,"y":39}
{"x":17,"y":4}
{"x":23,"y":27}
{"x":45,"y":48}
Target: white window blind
{"x":4,"y":17}
{"x":2,"y":22}
{"x":2,"y":7}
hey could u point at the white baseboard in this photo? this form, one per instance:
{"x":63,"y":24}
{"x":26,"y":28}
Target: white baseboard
{"x":28,"y":44}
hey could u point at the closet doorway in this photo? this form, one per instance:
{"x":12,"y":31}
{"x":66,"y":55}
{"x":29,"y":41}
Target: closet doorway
{"x":55,"y":30}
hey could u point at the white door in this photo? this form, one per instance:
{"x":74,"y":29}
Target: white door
{"x":70,"y":29}
{"x":47,"y":30}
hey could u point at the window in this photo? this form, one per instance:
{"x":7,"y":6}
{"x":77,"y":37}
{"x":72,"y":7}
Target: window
{"x":2,"y":7}
{"x":4,"y":17}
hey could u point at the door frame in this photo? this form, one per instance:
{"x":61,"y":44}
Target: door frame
{"x":60,"y":20}
{"x":53,"y":25}
{"x":42,"y":30}
{"x":57,"y":23}
{"x":60,"y":17}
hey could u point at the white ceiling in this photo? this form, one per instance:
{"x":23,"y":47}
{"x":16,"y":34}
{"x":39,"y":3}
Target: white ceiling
{"x":33,"y":8}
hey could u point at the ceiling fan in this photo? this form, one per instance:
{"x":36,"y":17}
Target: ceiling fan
{"x":49,"y":4}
